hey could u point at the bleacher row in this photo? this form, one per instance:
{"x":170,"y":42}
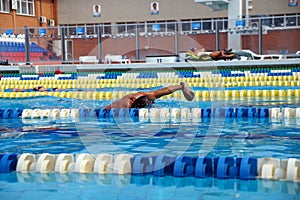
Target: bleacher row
{"x":12,"y":37}
{"x":222,"y":167}
{"x":14,"y":51}
{"x":20,"y":56}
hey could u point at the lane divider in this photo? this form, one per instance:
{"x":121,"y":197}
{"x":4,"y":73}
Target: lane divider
{"x":200,"y":95}
{"x":151,"y":74}
{"x":223,"y":167}
{"x":50,"y":113}
{"x":210,"y":80}
{"x":209,"y":83}
{"x":152,"y":113}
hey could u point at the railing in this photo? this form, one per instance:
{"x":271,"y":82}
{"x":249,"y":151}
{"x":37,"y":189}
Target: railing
{"x":67,"y":43}
{"x":184,"y":26}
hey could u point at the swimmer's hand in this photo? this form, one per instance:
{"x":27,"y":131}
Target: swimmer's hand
{"x":187,"y":92}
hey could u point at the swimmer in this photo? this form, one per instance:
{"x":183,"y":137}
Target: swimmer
{"x":146,"y":99}
{"x":37,"y":89}
{"x":19,"y":131}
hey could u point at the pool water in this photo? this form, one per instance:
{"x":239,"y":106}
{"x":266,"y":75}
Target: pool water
{"x":89,"y":186}
{"x":234,"y":137}
{"x":237,"y":137}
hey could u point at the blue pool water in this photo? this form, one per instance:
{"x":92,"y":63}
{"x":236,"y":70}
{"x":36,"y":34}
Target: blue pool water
{"x":89,"y":186}
{"x":256,"y":137}
{"x":242,"y":137}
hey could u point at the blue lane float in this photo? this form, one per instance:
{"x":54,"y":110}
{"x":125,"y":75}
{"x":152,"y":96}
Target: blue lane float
{"x":142,"y":165}
{"x":203,"y":167}
{"x":223,"y":167}
{"x":248,"y":167}
{"x":163,"y":165}
{"x":184,"y":166}
{"x":8,"y":163}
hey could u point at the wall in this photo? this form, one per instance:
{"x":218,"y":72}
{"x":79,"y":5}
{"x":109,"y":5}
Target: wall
{"x":45,"y":8}
{"x":274,"y":41}
{"x":264,"y":7}
{"x":84,"y":47}
{"x":80,"y":12}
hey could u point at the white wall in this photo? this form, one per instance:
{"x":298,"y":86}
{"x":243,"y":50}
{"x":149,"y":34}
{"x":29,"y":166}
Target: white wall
{"x":80,"y":11}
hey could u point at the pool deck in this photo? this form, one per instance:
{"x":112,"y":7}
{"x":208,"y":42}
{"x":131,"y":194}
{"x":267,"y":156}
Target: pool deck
{"x":154,"y":66}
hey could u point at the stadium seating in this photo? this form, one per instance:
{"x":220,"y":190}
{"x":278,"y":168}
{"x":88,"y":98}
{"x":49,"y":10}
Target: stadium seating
{"x":12,"y":48}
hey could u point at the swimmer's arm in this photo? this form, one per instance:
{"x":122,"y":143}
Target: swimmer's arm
{"x":163,"y":91}
{"x":17,"y":90}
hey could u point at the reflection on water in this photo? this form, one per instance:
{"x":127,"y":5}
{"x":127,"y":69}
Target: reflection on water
{"x":234,"y":137}
{"x":112,"y":186}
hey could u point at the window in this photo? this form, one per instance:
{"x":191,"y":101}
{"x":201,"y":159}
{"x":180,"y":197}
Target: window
{"x":80,"y":29}
{"x":156,"y":26}
{"x":25,"y":7}
{"x":4,"y":6}
{"x":142,"y":27}
{"x":90,"y":29}
{"x":267,"y":21}
{"x":186,"y":25}
{"x":104,"y":28}
{"x":291,"y":20}
{"x":149,"y":26}
{"x":219,"y":23}
{"x":71,"y":30}
{"x":207,"y":25}
{"x":131,"y":28}
{"x":161,"y":25}
{"x":278,"y":21}
{"x":226,"y":24}
{"x":121,"y":28}
{"x":126,"y":28}
{"x":171,"y":26}
{"x":107,"y":28}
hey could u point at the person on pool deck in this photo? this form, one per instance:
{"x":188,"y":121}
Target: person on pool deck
{"x":222,"y":55}
{"x":146,"y":99}
{"x":200,"y":55}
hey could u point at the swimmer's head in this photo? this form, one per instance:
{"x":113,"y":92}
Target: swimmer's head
{"x":39,"y":88}
{"x":142,"y":102}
